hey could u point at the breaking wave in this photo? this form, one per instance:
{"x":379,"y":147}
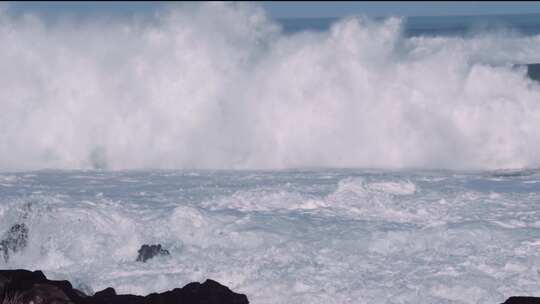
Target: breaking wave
{"x":223,"y":86}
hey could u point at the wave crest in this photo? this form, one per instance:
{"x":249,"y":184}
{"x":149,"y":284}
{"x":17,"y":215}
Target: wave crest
{"x":221,"y":86}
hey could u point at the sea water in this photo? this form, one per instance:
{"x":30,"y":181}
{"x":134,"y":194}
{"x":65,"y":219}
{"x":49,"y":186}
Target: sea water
{"x":213,"y":130}
{"x":291,"y":236}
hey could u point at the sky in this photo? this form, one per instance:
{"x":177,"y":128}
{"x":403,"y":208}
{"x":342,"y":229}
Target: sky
{"x":300,"y":9}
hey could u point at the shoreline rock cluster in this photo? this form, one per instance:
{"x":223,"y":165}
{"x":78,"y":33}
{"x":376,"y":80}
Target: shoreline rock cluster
{"x":25,"y":287}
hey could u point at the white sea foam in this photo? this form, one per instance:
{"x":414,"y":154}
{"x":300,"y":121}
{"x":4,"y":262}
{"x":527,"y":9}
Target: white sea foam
{"x":284,"y":237}
{"x":221,"y":86}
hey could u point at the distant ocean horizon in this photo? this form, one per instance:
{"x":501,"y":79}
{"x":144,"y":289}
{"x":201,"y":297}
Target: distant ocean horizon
{"x":528,"y":24}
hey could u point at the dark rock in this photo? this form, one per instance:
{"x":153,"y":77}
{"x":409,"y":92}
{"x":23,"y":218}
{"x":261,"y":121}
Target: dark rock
{"x":149,"y":251}
{"x":45,"y":294}
{"x":13,"y":283}
{"x":19,"y":279}
{"x":34,"y":284}
{"x":209,"y":292}
{"x":522,"y":300}
{"x":23,"y":286}
{"x":107,"y":292}
{"x":15,"y":240}
{"x":121,"y":299}
{"x":79,"y":293}
{"x":533,"y":71}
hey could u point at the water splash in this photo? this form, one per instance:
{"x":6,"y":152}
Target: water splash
{"x":221,"y":86}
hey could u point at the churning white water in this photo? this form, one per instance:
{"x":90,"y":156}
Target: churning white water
{"x":324,"y":236}
{"x":222,"y":86}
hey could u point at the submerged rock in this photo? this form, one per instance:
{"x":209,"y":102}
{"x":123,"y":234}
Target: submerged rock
{"x":149,"y":251}
{"x":23,"y":286}
{"x":15,"y":240}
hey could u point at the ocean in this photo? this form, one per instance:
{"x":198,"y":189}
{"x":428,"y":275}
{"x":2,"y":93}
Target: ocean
{"x":353,"y":160}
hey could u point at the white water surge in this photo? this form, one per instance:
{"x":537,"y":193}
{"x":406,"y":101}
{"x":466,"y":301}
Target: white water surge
{"x":222,"y":86}
{"x":331,"y":236}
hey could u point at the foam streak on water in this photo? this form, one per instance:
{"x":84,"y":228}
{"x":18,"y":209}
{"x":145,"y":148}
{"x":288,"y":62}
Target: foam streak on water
{"x":327,"y":236}
{"x":222,"y":86}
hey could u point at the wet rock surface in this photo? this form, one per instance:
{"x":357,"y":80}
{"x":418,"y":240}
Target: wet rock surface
{"x":149,"y":251}
{"x":23,"y":286}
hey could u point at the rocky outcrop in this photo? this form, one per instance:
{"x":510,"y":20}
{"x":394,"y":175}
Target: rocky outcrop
{"x":14,"y":240}
{"x":522,"y":300}
{"x":24,"y":287}
{"x":149,"y":251}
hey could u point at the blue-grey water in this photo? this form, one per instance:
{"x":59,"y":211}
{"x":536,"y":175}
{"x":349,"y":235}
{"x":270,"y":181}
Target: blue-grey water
{"x":525,"y":24}
{"x":112,"y":134}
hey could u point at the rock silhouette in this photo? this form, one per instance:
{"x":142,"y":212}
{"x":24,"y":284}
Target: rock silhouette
{"x":149,"y":251}
{"x":23,"y":286}
{"x":522,"y":300}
